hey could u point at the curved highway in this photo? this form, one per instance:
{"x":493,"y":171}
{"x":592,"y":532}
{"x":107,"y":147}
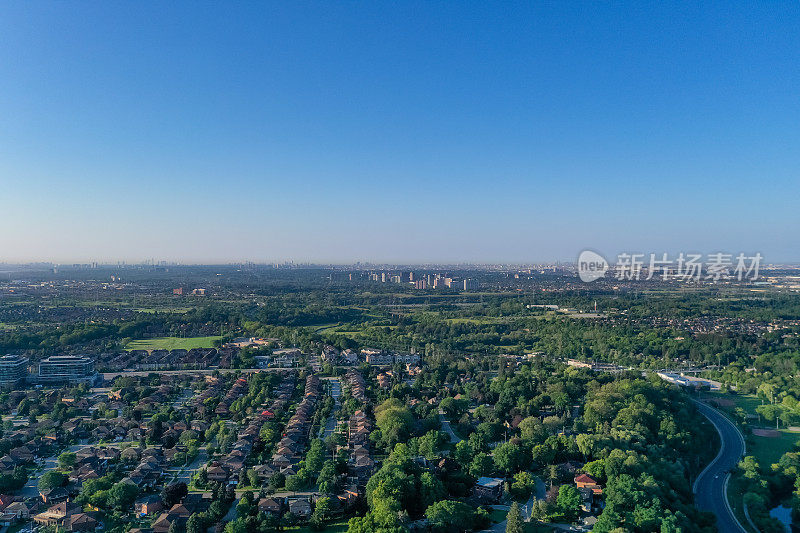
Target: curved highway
{"x":711,"y":486}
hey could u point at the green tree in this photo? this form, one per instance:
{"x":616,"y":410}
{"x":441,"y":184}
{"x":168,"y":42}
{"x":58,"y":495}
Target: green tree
{"x":514,"y":522}
{"x":429,"y":444}
{"x":523,"y":484}
{"x":315,"y":456}
{"x":326,"y":481}
{"x":122,"y":495}
{"x":296,"y":482}
{"x":197,"y":523}
{"x":235,"y":526}
{"x":322,"y":511}
{"x":569,"y":501}
{"x":394,"y":421}
{"x":586,"y":444}
{"x":453,"y":408}
{"x":430,"y":489}
{"x":749,"y":467}
{"x":448,"y":516}
{"x":508,"y":457}
{"x":532,"y":430}
{"x":173,"y":493}
{"x":482,"y":465}
{"x":252,"y":478}
{"x":51,"y":480}
{"x":463,"y":454}
{"x":67,"y":460}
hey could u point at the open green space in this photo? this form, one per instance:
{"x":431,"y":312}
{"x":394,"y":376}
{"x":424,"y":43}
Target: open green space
{"x":536,"y":527}
{"x":333,"y":527}
{"x":320,"y":328}
{"x":497,"y":515}
{"x":172,"y":343}
{"x":481,"y":320}
{"x":736,"y":491}
{"x":766,"y":450}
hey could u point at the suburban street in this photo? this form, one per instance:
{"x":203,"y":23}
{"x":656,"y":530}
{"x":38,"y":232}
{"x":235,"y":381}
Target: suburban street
{"x":31,"y":488}
{"x":447,"y":429}
{"x":184,"y":474}
{"x":526,"y":508}
{"x":336,"y":393}
{"x":710,"y":488}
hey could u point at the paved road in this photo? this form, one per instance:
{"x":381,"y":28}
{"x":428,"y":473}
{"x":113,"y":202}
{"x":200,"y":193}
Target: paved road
{"x":447,"y":429}
{"x":31,"y":488}
{"x":184,"y":474}
{"x":336,"y":393}
{"x":711,"y":486}
{"x":526,"y":508}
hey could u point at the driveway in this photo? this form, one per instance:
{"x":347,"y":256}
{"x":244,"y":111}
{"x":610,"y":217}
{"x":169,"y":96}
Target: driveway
{"x":447,"y":429}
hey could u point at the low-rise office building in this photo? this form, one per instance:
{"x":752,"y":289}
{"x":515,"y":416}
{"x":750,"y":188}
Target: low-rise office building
{"x":66,"y":369}
{"x":13,"y":369}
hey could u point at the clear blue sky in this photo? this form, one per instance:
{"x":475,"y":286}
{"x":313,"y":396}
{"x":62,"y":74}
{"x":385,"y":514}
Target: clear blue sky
{"x":401,"y":132}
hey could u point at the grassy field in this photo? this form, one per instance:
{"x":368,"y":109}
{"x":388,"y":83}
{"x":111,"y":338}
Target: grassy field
{"x":172,"y":343}
{"x":535,"y":527}
{"x":334,"y":527}
{"x":766,"y":450}
{"x":319,"y":328}
{"x":497,"y":515}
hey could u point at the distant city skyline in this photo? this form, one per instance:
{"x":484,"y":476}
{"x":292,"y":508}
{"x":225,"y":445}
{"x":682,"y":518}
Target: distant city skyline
{"x":397,"y":132}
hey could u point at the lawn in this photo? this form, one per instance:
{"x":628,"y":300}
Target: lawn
{"x":766,"y":450}
{"x":333,"y":527}
{"x":535,"y":527}
{"x":497,"y":515}
{"x":736,"y":500}
{"x":172,"y":343}
{"x":324,"y":327}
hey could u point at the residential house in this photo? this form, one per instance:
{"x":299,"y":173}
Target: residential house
{"x":271,"y":505}
{"x":301,"y":508}
{"x":489,"y":489}
{"x":80,"y":522}
{"x":55,"y":515}
{"x":148,"y":506}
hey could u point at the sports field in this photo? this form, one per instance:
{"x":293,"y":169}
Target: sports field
{"x":172,"y":343}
